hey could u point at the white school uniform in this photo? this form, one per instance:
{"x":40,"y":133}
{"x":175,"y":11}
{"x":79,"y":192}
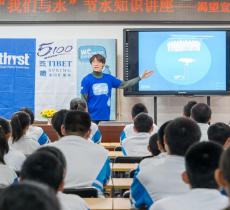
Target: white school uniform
{"x":14,"y":159}
{"x":196,"y":199}
{"x":129,"y":131}
{"x":158,"y":179}
{"x":204,"y":131}
{"x":136,"y":145}
{"x":37,"y":134}
{"x":95,"y":135}
{"x":8,"y":176}
{"x":71,"y":202}
{"x":87,"y":164}
{"x":25,"y":144}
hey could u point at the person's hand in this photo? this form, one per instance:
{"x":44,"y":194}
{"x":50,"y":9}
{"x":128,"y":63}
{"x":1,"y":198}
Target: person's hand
{"x":146,"y":74}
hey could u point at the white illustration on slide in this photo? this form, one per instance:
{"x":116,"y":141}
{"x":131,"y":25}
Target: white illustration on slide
{"x":186,"y":62}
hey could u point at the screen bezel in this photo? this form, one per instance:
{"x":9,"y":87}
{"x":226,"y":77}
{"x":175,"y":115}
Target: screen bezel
{"x":132,"y":62}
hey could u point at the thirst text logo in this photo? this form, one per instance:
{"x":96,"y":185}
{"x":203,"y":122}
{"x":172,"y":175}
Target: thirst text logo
{"x":14,"y":60}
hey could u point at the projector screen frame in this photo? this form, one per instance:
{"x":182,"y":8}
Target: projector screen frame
{"x":134,"y":91}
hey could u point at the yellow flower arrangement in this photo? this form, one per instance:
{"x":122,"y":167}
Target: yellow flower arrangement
{"x":48,"y":113}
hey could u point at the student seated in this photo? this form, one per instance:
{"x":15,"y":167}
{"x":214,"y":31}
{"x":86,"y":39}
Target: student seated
{"x":80,"y":105}
{"x":34,"y":132}
{"x":201,"y":113}
{"x":162,"y":177}
{"x":129,"y":131}
{"x":222,"y":174}
{"x":20,"y":123}
{"x":57,"y":121}
{"x":28,"y":196}
{"x":137,"y":144}
{"x":8,"y":176}
{"x":11,"y":157}
{"x":188,"y":107}
{"x":220,"y":133}
{"x":46,"y":167}
{"x":201,"y":161}
{"x":87,"y":164}
{"x":161,"y":135}
{"x":156,"y":146}
{"x":153,"y":145}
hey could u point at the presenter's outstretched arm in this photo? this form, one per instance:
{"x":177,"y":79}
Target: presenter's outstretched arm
{"x":135,"y":80}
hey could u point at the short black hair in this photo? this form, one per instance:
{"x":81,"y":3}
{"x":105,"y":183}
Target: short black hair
{"x":201,"y":161}
{"x":153,"y":145}
{"x":28,"y":196}
{"x":188,"y":107}
{"x":137,"y":109}
{"x":56,"y":152}
{"x":78,"y":104}
{"x":4,"y":146}
{"x":100,"y":58}
{"x":161,"y":133}
{"x":43,"y":167}
{"x":58,"y":120}
{"x":225,"y":164}
{"x":19,"y":122}
{"x":143,"y":122}
{"x":180,"y":134}
{"x":201,"y":113}
{"x":219,"y":132}
{"x":77,"y":121}
{"x":5,"y":125}
{"x":29,"y":112}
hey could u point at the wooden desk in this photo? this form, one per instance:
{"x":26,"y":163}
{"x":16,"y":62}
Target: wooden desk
{"x":111,"y":132}
{"x":99,"y":203}
{"x":121,"y":204}
{"x":110,"y":145}
{"x":108,"y":203}
{"x":123,"y":167}
{"x":114,"y":154}
{"x":119,"y":184}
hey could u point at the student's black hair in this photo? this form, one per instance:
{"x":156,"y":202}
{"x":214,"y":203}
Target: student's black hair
{"x":153,"y":145}
{"x":56,"y":152}
{"x":43,"y":167}
{"x":100,"y":58}
{"x":4,"y":130}
{"x":28,"y":196}
{"x":188,"y":107}
{"x":78,"y":104}
{"x":143,"y":122}
{"x":19,"y":122}
{"x":161,"y":133}
{"x":201,"y":161}
{"x":201,"y":113}
{"x":28,"y":111}
{"x":180,"y":134}
{"x":137,"y":109}
{"x":58,"y":120}
{"x":77,"y":122}
{"x":219,"y":132}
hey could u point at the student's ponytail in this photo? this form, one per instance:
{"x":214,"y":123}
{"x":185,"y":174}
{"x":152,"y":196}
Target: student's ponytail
{"x":4,"y":147}
{"x":19,"y":122}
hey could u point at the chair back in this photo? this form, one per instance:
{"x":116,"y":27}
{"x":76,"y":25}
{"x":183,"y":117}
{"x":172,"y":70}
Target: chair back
{"x":86,"y":192}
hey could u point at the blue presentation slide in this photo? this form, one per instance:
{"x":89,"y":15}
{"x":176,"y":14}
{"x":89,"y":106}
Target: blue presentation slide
{"x":183,"y":60}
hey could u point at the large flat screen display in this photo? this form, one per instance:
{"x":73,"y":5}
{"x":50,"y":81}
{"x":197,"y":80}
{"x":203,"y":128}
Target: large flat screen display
{"x":184,"y":61}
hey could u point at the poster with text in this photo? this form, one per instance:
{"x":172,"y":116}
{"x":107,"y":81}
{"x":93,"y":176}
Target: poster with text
{"x":17,"y":75}
{"x":55,"y":74}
